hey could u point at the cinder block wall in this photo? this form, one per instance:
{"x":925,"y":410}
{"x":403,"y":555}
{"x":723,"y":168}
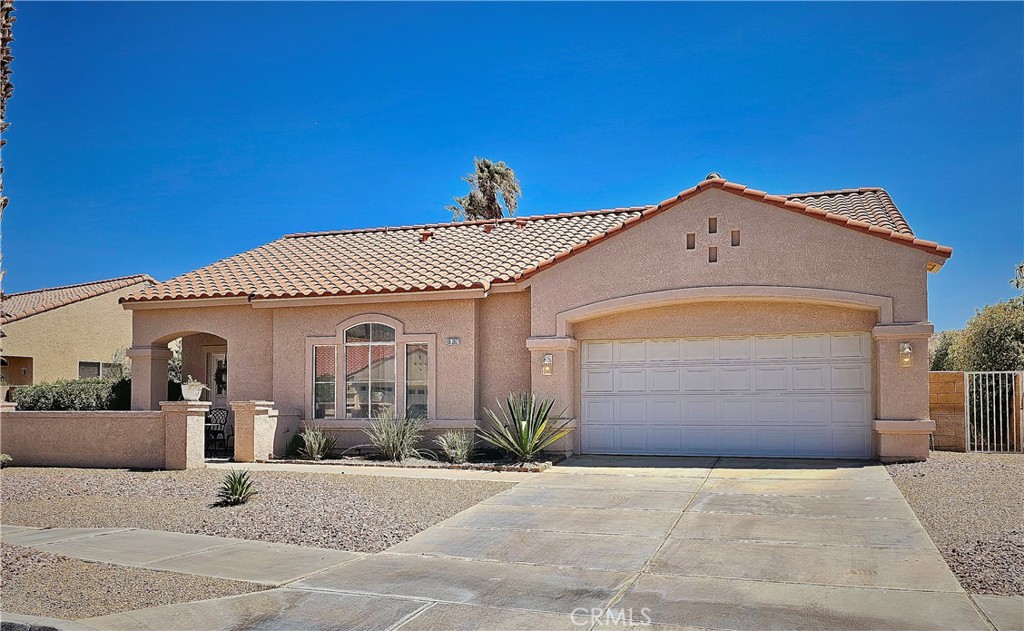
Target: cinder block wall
{"x":946,"y":408}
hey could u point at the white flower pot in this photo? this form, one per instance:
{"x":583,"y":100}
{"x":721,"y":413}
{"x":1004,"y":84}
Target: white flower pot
{"x":191,"y":392}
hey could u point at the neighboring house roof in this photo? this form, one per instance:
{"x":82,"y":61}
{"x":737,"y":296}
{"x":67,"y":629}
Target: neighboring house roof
{"x":479,"y":254}
{"x":21,"y":305}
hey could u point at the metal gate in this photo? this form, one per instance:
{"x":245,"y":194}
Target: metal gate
{"x":993,"y":403}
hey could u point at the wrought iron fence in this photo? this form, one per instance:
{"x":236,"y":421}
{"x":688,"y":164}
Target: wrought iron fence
{"x":993,"y":404}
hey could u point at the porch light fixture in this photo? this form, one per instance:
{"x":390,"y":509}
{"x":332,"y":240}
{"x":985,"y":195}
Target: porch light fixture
{"x":906,"y":354}
{"x":546,"y":364}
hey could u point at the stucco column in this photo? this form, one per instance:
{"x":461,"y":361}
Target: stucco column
{"x":149,"y":376}
{"x":255,"y":428}
{"x":557,"y":356}
{"x":184,"y":434}
{"x":902,"y":426}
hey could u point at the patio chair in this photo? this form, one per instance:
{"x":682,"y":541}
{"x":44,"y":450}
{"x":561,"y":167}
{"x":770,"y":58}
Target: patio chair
{"x":216,"y":430}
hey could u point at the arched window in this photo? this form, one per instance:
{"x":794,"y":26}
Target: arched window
{"x":369,"y":368}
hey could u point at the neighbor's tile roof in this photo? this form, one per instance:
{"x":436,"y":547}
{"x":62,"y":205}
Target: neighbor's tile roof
{"x":29,"y":303}
{"x":477,"y":254}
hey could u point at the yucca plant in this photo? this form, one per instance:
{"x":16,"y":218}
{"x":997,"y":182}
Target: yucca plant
{"x":524,"y":427}
{"x":236,"y":488}
{"x":396,"y":437}
{"x":455,"y":445}
{"x":317,"y":442}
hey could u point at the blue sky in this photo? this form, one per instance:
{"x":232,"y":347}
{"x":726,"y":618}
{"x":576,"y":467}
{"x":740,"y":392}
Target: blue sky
{"x":158,"y":138}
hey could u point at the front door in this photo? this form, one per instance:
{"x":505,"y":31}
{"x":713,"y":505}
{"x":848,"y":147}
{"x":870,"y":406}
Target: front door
{"x":217,"y":378}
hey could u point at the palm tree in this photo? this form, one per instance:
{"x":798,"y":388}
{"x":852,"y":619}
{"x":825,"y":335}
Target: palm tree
{"x":493,"y":192}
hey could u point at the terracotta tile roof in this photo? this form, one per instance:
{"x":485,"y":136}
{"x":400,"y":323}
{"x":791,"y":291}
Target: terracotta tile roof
{"x":870,"y":205}
{"x":23,"y":304}
{"x":478,"y":254}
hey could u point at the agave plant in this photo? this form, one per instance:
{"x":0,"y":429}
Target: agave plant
{"x":396,"y":437}
{"x":236,"y":488}
{"x":524,"y":427}
{"x":317,"y":442}
{"x":455,"y":445}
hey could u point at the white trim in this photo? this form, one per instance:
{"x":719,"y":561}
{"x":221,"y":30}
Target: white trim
{"x":923,"y":329}
{"x":183,"y":303}
{"x":880,"y":304}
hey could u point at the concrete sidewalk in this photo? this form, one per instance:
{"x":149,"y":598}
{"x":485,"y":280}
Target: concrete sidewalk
{"x":235,"y":559}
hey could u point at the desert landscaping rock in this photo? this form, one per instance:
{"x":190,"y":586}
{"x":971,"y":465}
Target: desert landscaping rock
{"x":344,"y":512}
{"x":971,"y":506}
{"x":37,"y":583}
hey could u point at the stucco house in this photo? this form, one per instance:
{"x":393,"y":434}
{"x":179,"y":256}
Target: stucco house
{"x":724,"y":320}
{"x":65,"y":332}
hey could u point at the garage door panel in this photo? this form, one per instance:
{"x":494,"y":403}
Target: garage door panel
{"x":663,"y":350}
{"x":598,"y":352}
{"x":734,"y":378}
{"x":698,"y":349}
{"x":665,"y":379}
{"x":734,"y":348}
{"x":666,"y":411}
{"x":699,"y":379}
{"x":631,"y":351}
{"x":771,"y":378}
{"x":598,"y":380}
{"x":771,"y":348}
{"x":810,"y":346}
{"x":797,"y":395}
{"x":598,"y":410}
{"x":812,"y":377}
{"x":630,"y":380}
{"x":849,"y":377}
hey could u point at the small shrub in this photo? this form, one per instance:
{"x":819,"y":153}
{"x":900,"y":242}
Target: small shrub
{"x":75,"y":394}
{"x":523,"y":429}
{"x":236,"y":488}
{"x":396,"y":437}
{"x":4,"y":459}
{"x":456,"y":446}
{"x":317,"y":443}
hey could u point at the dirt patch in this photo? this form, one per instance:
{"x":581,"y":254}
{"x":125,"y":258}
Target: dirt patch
{"x":971,"y":505}
{"x":36,"y":583}
{"x":344,"y":512}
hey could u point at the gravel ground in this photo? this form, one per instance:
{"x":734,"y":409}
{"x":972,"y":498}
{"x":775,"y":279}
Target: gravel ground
{"x":973,"y":508}
{"x":36,"y":583}
{"x":345,"y":512}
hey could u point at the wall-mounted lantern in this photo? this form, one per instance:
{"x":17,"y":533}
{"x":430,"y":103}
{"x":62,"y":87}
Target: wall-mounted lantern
{"x":547,"y":364}
{"x":906,"y":354}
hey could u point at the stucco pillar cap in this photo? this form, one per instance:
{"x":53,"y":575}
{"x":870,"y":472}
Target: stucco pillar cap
{"x":917,"y":329}
{"x":904,"y":427}
{"x":151,"y":352}
{"x":551,"y":343}
{"x":239,"y":406}
{"x":185,"y":406}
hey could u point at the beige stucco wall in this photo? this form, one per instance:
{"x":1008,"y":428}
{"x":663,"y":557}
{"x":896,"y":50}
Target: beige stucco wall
{"x":504,"y":359}
{"x":778,"y":248}
{"x":84,"y":439}
{"x":89,"y":330}
{"x":725,"y":318}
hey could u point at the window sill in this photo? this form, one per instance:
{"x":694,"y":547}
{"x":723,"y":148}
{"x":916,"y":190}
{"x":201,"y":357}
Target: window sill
{"x":362,"y":423}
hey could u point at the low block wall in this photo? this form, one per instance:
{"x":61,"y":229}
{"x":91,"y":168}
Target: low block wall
{"x":946,"y":408}
{"x":84,"y":439}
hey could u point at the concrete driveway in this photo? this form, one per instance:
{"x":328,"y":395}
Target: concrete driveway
{"x":670,"y":542}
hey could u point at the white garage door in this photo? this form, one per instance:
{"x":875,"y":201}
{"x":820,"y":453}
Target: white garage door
{"x":791,"y":395}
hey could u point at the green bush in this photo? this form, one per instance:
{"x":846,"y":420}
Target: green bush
{"x":455,"y":445}
{"x":317,"y":443}
{"x":75,"y":394}
{"x":992,"y":340}
{"x":396,"y":437}
{"x":940,"y":355}
{"x":524,"y":428}
{"x":236,"y":488}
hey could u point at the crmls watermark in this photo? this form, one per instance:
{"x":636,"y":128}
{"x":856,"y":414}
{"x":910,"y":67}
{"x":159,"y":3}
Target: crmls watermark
{"x":582,"y":617}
